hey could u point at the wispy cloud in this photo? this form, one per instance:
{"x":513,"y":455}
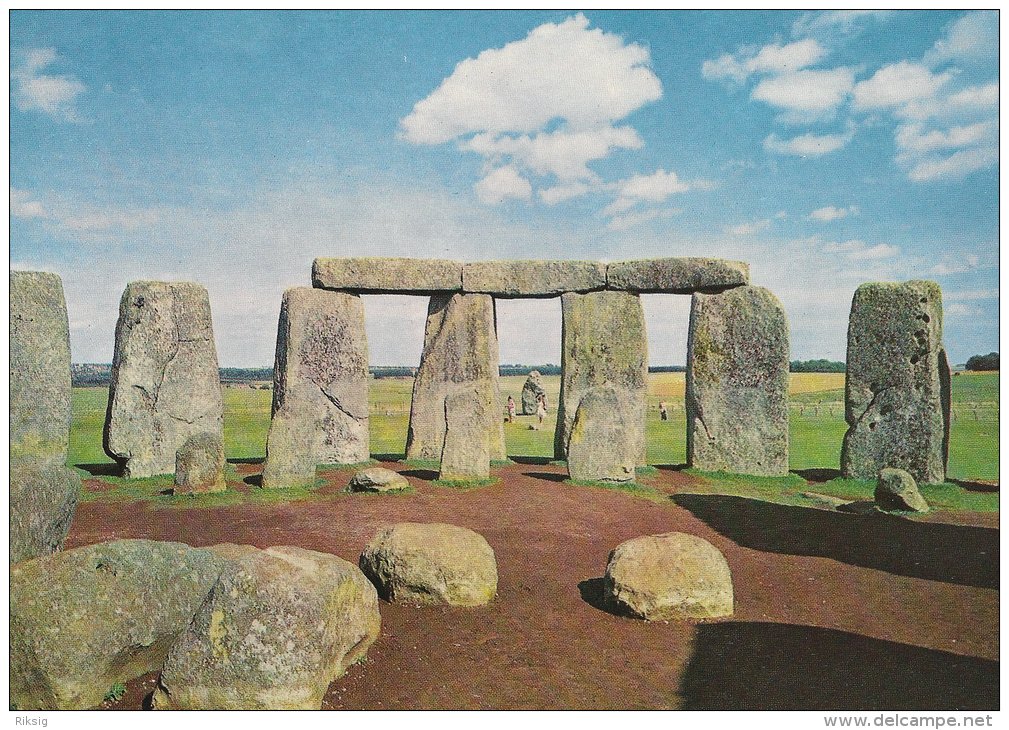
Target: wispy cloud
{"x":806,"y":96}
{"x":834,"y":22}
{"x":52,"y":94}
{"x":807,"y":145}
{"x":856,"y":250}
{"x":772,"y":58}
{"x":749,"y":228}
{"x":79,"y":217}
{"x":832,"y":213}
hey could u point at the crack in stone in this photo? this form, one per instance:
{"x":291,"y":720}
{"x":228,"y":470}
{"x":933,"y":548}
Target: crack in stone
{"x":336,"y":402}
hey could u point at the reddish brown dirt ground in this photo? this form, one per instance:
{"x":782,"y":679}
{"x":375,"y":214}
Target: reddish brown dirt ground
{"x":833,"y":611}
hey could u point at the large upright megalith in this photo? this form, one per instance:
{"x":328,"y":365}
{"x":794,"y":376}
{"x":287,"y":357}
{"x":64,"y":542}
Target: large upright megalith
{"x":598,"y":449}
{"x":737,"y":383}
{"x":320,"y":387}
{"x":165,"y":380}
{"x":531,"y":392}
{"x":43,"y":491}
{"x":460,"y":355}
{"x":603,"y":343}
{"x":897,"y":400}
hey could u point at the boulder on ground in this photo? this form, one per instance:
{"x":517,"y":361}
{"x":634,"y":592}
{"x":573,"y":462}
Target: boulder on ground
{"x":165,"y":383}
{"x":737,"y":383}
{"x":603,"y":343}
{"x":896,"y":491}
{"x":897,"y":388}
{"x":320,"y":395}
{"x":278,"y":626}
{"x":460,"y":355}
{"x":532,"y":278}
{"x":599,"y":449}
{"x":43,"y":498}
{"x":199,"y":465}
{"x":377,"y":479}
{"x":431,"y":563}
{"x":85,"y":619}
{"x":531,"y":391}
{"x":686,"y":275}
{"x":374,"y":275}
{"x":669,"y":576}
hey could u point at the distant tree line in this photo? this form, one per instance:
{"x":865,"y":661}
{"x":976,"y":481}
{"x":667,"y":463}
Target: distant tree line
{"x":816,"y":366}
{"x":983,"y":362}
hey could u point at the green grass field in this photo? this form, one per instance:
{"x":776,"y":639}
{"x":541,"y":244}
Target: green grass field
{"x":817,"y":422}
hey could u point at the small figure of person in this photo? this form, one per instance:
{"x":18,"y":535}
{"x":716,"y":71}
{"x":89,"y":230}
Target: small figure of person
{"x":511,"y":409}
{"x":541,"y":408}
{"x":663,"y":413}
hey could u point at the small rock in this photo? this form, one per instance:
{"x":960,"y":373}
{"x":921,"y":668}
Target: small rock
{"x":377,"y":479}
{"x":669,"y":576}
{"x":199,"y":465}
{"x":431,"y":563}
{"x":896,"y":491}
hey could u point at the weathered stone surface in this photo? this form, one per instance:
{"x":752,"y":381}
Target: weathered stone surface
{"x":43,"y":498}
{"x":39,"y":368}
{"x":165,"y":381}
{"x":670,"y":576}
{"x":278,"y":626}
{"x":431,"y":563}
{"x":896,"y":491}
{"x":603,"y":342}
{"x":460,"y":355}
{"x":599,"y":449}
{"x":533,"y":278}
{"x":43,"y":492}
{"x":387,"y":275}
{"x":897,"y":385}
{"x":377,"y":479}
{"x":320,"y":393}
{"x":466,"y":454}
{"x":531,"y":392}
{"x":84,"y":619}
{"x":737,"y":383}
{"x":199,"y":464}
{"x":677,"y":275}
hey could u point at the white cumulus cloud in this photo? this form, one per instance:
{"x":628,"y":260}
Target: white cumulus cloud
{"x":501,"y":184}
{"x":772,"y":58}
{"x":956,"y":166}
{"x":807,"y":145}
{"x":973,"y":37}
{"x":832,"y":213}
{"x":898,"y":84}
{"x":807,"y":94}
{"x":51,"y":94}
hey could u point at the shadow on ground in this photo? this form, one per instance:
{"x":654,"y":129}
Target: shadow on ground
{"x":935,"y":551}
{"x":531,"y":460}
{"x":591,"y":591}
{"x":250,"y":460}
{"x":104,"y":469}
{"x":818,"y":476}
{"x":974,"y":486}
{"x":772,"y":666}
{"x":428,"y":475}
{"x":546,"y":475}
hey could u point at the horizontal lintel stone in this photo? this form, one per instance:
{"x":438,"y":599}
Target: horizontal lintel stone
{"x":533,"y":278}
{"x":685,"y":275}
{"x":373,"y":275}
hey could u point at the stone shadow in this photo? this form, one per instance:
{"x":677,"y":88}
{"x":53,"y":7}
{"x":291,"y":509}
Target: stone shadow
{"x":249,"y":460}
{"x":254,"y":480}
{"x":389,"y":457}
{"x":772,"y":666}
{"x":532,"y":460}
{"x":428,"y":475}
{"x":948,"y":553}
{"x":101,"y":470}
{"x":546,"y":476}
{"x":818,"y":476}
{"x":974,"y":486}
{"x":591,"y":591}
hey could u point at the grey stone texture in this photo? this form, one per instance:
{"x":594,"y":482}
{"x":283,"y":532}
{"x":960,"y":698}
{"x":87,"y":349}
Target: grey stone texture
{"x":897,"y":401}
{"x":431,"y":563}
{"x":737,"y":383}
{"x":199,"y":464}
{"x":603,"y":343}
{"x":531,"y":390}
{"x":320,"y":387}
{"x":85,"y":619}
{"x":384,"y":275}
{"x":896,"y":491}
{"x":507,"y":279}
{"x":43,"y":492}
{"x":165,"y":381}
{"x":670,"y":576}
{"x":460,"y":356}
{"x":466,"y":453}
{"x":377,"y":479}
{"x":677,"y":275}
{"x":277,"y":627}
{"x":598,"y":449}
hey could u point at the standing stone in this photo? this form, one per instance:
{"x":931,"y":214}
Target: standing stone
{"x":199,"y":465}
{"x":43,"y":491}
{"x":531,"y":392}
{"x":466,"y":454}
{"x":737,"y":383}
{"x":897,"y":387}
{"x":603,"y":343}
{"x":460,"y":355}
{"x":320,"y":387}
{"x":165,"y":381}
{"x":599,"y":450}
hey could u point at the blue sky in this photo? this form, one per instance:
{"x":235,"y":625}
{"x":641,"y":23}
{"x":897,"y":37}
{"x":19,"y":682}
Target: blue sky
{"x":827,"y":149}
